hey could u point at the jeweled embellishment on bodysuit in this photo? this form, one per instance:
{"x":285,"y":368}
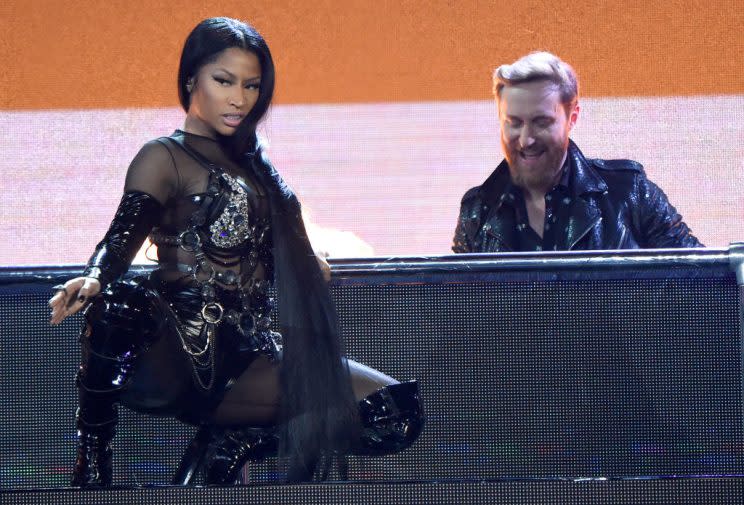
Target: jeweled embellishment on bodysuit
{"x":232,"y":227}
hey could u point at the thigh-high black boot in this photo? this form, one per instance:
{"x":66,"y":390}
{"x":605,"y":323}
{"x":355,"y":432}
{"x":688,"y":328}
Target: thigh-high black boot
{"x":217,"y":454}
{"x":115,"y":333}
{"x":392,"y":419}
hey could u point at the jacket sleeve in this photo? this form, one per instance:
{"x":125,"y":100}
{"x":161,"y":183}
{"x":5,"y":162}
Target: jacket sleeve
{"x":660,"y":224}
{"x":461,"y":242}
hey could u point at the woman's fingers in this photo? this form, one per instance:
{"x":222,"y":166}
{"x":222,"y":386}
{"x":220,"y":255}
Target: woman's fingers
{"x":89,"y":288}
{"x":57,"y":303}
{"x":58,"y":306}
{"x":72,"y":296}
{"x":58,"y":298}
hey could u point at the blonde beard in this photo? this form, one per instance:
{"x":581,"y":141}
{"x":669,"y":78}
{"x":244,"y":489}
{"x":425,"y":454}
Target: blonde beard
{"x":534,"y":179}
{"x":543,"y":178}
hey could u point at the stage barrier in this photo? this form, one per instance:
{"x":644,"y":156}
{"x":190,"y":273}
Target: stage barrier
{"x":542,"y":366}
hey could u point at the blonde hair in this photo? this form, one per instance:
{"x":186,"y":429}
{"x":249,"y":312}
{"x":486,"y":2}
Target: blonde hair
{"x":539,"y":66}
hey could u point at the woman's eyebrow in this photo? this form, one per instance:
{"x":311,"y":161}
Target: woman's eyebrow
{"x":233,"y":76}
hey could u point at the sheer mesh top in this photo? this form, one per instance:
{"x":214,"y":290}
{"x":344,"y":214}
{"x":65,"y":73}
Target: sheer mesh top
{"x":179,"y":179}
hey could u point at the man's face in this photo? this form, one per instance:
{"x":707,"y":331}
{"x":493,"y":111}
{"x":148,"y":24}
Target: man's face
{"x":534,"y":132}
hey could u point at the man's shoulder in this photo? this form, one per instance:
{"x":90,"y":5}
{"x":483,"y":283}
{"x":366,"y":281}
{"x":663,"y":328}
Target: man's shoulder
{"x":471,"y":194}
{"x":619,"y":165}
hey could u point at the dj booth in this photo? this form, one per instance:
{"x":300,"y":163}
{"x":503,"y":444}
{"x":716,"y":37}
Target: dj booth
{"x":623,"y":369}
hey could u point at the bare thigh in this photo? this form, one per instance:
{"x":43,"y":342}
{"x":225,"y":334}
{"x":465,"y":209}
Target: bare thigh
{"x":366,"y":380}
{"x":254,"y":398}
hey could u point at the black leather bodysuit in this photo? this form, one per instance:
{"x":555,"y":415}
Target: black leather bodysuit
{"x":173,"y":342}
{"x":204,"y":313}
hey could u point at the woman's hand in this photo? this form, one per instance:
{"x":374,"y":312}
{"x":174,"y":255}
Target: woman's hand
{"x":325,"y":268}
{"x":72,"y":296}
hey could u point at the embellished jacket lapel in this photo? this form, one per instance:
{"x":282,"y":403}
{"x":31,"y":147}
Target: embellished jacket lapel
{"x":497,"y":221}
{"x":500,"y":229}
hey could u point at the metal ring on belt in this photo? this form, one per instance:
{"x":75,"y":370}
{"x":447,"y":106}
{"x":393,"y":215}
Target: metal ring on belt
{"x":220,"y":276}
{"x":208,"y":317}
{"x":182,"y":242}
{"x":199,"y":266}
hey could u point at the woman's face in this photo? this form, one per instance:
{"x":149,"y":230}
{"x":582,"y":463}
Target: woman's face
{"x":223,"y":93}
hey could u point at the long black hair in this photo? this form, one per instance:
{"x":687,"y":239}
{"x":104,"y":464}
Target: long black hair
{"x":203,"y":46}
{"x":318,"y":410}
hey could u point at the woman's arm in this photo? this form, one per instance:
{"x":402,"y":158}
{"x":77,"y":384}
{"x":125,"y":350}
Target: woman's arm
{"x":151,"y":181}
{"x":138,"y":212}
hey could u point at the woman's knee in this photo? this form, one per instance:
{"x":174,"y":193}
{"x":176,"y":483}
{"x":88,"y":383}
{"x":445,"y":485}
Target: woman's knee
{"x":121,"y":321}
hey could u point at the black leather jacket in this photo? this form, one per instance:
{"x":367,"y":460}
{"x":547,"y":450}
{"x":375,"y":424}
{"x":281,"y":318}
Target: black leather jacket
{"x":613,"y":206}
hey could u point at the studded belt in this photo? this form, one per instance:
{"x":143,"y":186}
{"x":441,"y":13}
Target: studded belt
{"x":204,"y":273}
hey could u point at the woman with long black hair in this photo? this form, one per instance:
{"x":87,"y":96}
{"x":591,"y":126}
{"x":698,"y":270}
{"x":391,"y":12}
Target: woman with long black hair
{"x":192,"y":340}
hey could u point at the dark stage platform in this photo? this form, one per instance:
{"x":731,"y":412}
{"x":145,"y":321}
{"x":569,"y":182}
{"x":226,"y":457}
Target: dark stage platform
{"x":536,"y":371}
{"x":697,"y":491}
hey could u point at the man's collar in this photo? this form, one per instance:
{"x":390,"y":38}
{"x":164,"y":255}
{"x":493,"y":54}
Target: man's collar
{"x":496,"y":185}
{"x":583,"y":178}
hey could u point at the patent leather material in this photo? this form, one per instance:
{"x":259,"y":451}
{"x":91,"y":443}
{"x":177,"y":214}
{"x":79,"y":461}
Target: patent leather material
{"x":116,"y":332}
{"x":392,"y":419}
{"x":217,"y":454}
{"x":93,"y":463}
{"x":611,"y":205}
{"x":228,"y":454}
{"x":138,"y":212}
{"x":317,"y":398}
{"x":191,"y":461}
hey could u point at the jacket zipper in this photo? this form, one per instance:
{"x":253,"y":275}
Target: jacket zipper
{"x":583,"y":234}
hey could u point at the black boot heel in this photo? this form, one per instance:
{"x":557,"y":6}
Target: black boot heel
{"x":227,"y":455}
{"x":216,"y":454}
{"x":193,"y":459}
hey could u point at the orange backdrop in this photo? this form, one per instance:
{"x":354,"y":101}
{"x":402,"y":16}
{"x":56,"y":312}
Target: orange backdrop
{"x":114,"y":54}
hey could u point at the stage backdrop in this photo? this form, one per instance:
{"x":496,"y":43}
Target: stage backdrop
{"x":383,"y":114}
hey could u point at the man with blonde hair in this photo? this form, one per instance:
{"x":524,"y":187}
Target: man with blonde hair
{"x":546,"y":195}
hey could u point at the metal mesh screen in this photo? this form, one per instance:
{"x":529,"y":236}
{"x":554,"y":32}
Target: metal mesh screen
{"x":521,"y":378}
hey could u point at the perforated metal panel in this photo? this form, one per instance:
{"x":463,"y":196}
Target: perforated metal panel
{"x":553,"y":378}
{"x":523,"y":376}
